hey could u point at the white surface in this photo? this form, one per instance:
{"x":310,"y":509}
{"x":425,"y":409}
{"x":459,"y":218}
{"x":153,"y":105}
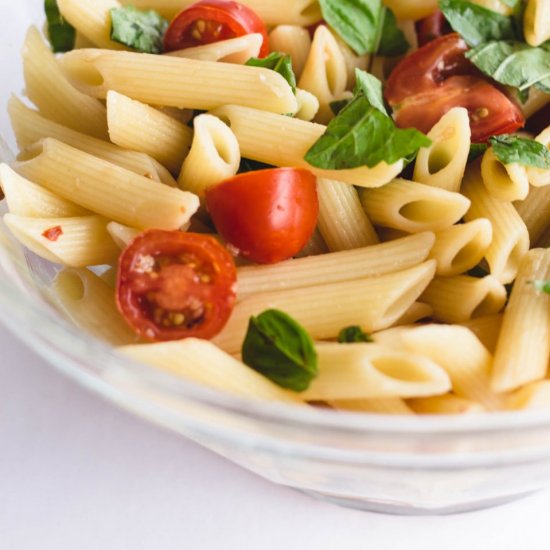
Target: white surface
{"x":77,"y":473}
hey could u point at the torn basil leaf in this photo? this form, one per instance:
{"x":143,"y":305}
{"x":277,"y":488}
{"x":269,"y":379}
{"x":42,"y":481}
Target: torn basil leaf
{"x":361,"y":135}
{"x":372,"y":88}
{"x":392,"y":41}
{"x":62,"y":35}
{"x":542,"y":286}
{"x":477,"y":150}
{"x":353,"y":335}
{"x":279,"y":348}
{"x":138,"y":29}
{"x":278,"y":62}
{"x":510,"y":149}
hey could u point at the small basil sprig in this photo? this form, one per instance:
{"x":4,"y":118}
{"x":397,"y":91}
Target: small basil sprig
{"x":353,"y":335}
{"x":361,"y":135}
{"x":477,"y":150}
{"x":278,"y":62}
{"x":141,"y":30}
{"x":542,"y":286}
{"x":61,"y":34}
{"x":510,"y":149}
{"x":369,"y":85}
{"x":278,"y":347}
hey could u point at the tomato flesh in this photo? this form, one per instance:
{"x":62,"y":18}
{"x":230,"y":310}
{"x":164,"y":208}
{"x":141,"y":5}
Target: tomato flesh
{"x":173,"y":285}
{"x":211,"y":21}
{"x":436,"y":78}
{"x":432,"y":27}
{"x":266,"y":216}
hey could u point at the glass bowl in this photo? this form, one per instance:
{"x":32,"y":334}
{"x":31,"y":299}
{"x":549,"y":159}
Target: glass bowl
{"x":409,"y":465}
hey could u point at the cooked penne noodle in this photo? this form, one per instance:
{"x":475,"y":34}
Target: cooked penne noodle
{"x":89,"y":303}
{"x":56,"y":98}
{"x":359,"y":371}
{"x":293,"y":40}
{"x":419,"y":9}
{"x":539,"y":177}
{"x":177,"y":82}
{"x":460,"y":298}
{"x":461,"y":354}
{"x":315,"y":246}
{"x":30,"y":127}
{"x":283,"y":141}
{"x":534,"y":396}
{"x":280,"y":12}
{"x":214,"y":155}
{"x":92,"y":18}
{"x":380,"y":405}
{"x":87,"y":180}
{"x":27,"y":199}
{"x":544,"y":240}
{"x":443,"y":163}
{"x":523,"y":345}
{"x":235,"y":50}
{"x":352,"y":62}
{"x":507,"y":182}
{"x":417,"y":312}
{"x":75,"y":242}
{"x":535,"y":23}
{"x":535,"y":211}
{"x":510,"y":236}
{"x":324,"y":73}
{"x":487,"y":329}
{"x":444,"y":404}
{"x":537,"y":100}
{"x":342,"y":220}
{"x":374,"y":303}
{"x":308,"y":105}
{"x":122,"y":235}
{"x":413,"y":207}
{"x":461,"y":247}
{"x":370,"y":261}
{"x":139,"y":127}
{"x":202,"y":362}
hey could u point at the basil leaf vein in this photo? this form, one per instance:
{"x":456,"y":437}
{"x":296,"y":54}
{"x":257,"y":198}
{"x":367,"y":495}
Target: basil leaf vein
{"x":510,"y":149}
{"x":279,"y":348}
{"x":61,"y":34}
{"x":141,"y":30}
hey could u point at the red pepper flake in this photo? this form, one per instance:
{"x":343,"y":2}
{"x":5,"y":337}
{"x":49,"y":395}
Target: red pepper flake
{"x":53,"y":233}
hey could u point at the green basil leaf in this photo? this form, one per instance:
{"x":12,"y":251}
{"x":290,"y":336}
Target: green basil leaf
{"x":353,"y":335}
{"x":510,"y":149}
{"x":511,"y":3}
{"x":477,"y":24}
{"x":61,"y":34}
{"x":392,"y":42}
{"x":477,"y":150}
{"x":280,"y":349}
{"x":542,"y":286}
{"x":372,"y":88}
{"x":338,"y":105}
{"x":513,"y":63}
{"x":278,"y":62}
{"x":355,"y":21}
{"x":363,"y":136}
{"x":141,"y":30}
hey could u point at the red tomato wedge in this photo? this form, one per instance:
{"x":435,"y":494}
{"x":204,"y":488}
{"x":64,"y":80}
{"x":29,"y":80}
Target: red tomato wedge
{"x":173,"y":285}
{"x":436,"y":78}
{"x":268,"y":215}
{"x":432,"y":27}
{"x":210,"y":21}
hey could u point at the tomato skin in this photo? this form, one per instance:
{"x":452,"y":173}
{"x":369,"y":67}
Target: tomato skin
{"x":210,"y":21}
{"x":436,"y":78}
{"x":432,"y":27}
{"x":173,"y":285}
{"x":267,"y":215}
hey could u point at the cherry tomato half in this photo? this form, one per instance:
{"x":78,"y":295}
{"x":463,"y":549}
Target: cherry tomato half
{"x":432,"y":27}
{"x":267,"y":215}
{"x":436,"y":78}
{"x":173,"y":285}
{"x":210,"y":21}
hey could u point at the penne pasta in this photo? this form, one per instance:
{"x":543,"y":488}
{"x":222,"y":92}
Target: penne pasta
{"x":412,"y":10}
{"x":487,"y":329}
{"x":87,"y":180}
{"x":506,"y":182}
{"x":443,"y":163}
{"x":535,"y":22}
{"x":535,"y":211}
{"x":122,"y":235}
{"x":417,"y":312}
{"x":139,"y":127}
{"x":176,"y":81}
{"x":523,"y":346}
{"x":534,"y":396}
{"x":461,"y":247}
{"x":75,"y":242}
{"x":379,"y":405}
{"x":342,"y":220}
{"x":283,"y":141}
{"x":370,"y":261}
{"x":315,"y":246}
{"x":444,"y":404}
{"x":308,"y":105}
{"x":293,"y":40}
{"x":539,"y":177}
{"x":510,"y":236}
{"x":461,"y":298}
{"x":413,"y":207}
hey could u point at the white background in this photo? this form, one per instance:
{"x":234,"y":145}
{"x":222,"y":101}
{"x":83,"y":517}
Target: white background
{"x":78,"y":474}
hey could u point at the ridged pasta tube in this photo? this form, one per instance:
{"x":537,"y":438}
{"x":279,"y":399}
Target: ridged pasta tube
{"x":506,"y":182}
{"x":378,"y":405}
{"x":294,"y":41}
{"x":444,"y":404}
{"x":535,"y":211}
{"x":487,"y":329}
{"x":536,"y":26}
{"x":539,"y":177}
{"x":534,"y":396}
{"x":122,"y":235}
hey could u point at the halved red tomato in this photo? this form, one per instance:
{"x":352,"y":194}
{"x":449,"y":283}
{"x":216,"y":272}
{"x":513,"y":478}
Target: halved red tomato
{"x":173,"y":285}
{"x":267,"y":216}
{"x":432,"y":27}
{"x":210,"y":21}
{"x":436,"y":78}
